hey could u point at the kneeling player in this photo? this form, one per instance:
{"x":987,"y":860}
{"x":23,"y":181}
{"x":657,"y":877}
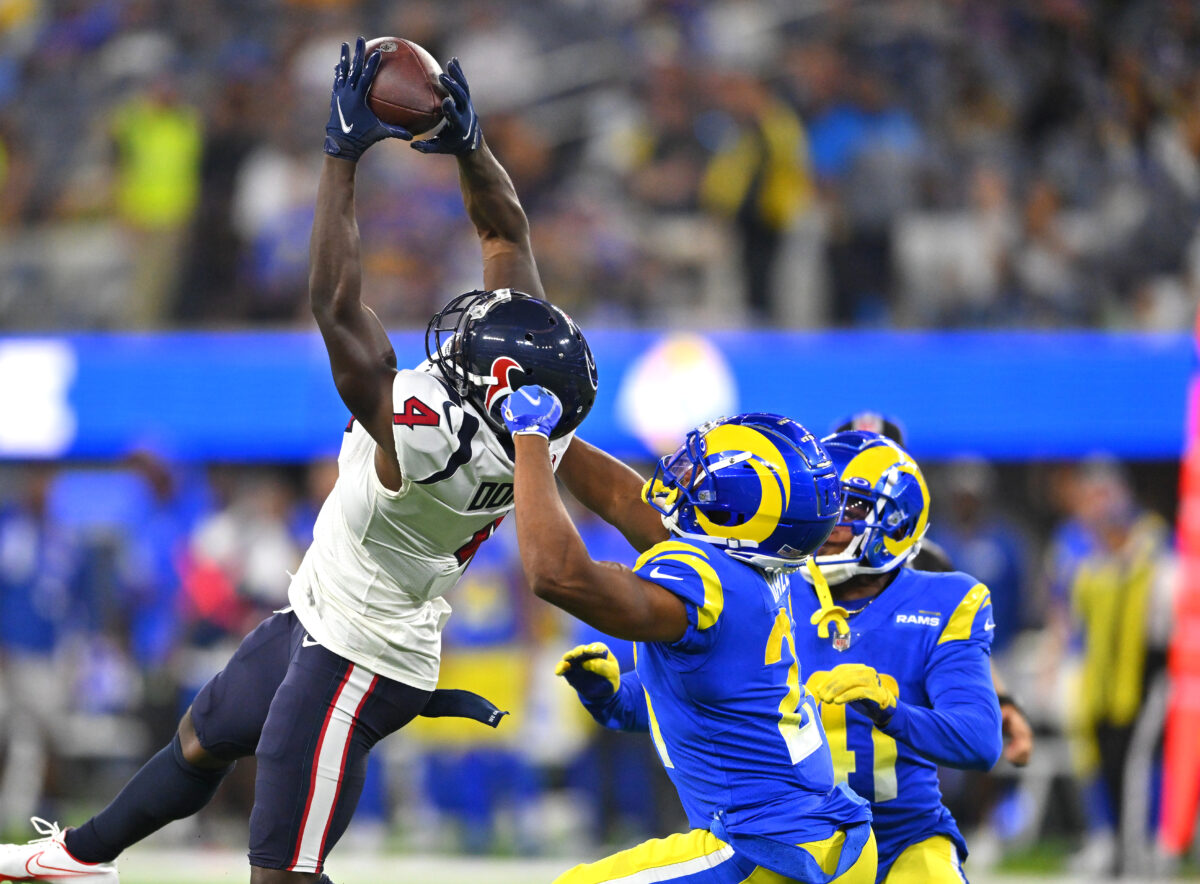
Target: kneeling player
{"x":746,"y":499}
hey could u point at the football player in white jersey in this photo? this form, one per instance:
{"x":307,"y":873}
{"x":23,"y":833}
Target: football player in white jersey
{"x":425,"y":475}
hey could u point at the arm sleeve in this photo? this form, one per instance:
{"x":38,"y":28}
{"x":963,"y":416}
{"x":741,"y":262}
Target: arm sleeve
{"x":962,"y":729}
{"x":625,"y":710}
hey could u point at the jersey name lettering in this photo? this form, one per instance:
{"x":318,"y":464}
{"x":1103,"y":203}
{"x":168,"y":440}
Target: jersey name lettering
{"x":918,"y":620}
{"x":491,"y":496}
{"x":416,"y":414}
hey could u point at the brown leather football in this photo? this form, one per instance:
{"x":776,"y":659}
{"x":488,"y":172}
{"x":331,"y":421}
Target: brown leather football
{"x":405,"y":91}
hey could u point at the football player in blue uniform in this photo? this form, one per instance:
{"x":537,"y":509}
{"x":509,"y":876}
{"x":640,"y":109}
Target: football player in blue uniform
{"x":1014,"y":725}
{"x":900,"y":664}
{"x":746,"y":499}
{"x":903,"y":674}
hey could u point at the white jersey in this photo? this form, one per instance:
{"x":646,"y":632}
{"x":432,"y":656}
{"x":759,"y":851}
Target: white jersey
{"x":370,"y":587}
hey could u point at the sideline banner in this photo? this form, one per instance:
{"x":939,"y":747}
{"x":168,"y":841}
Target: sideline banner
{"x":259,"y":396}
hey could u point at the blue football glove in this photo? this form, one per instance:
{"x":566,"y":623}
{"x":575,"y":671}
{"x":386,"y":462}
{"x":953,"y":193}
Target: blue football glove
{"x":532,"y":410}
{"x":592,"y":670}
{"x":352,"y":126}
{"x":460,"y":134}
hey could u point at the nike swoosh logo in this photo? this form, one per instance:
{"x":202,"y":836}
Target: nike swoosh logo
{"x":662,"y":576}
{"x":533,"y":400}
{"x":307,"y":642}
{"x":989,"y":626}
{"x":34,"y":867}
{"x":345,"y":128}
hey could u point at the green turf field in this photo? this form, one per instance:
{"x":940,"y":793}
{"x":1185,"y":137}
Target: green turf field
{"x":150,"y":866}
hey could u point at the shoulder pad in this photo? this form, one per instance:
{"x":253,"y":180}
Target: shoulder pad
{"x":685,"y":569}
{"x":430,"y":427}
{"x":971,"y":604}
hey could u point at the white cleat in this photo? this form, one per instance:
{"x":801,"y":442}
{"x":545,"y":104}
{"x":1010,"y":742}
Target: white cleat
{"x":47,"y":859}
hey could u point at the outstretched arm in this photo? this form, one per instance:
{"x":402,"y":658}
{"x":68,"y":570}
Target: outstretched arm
{"x":615,"y":699}
{"x":360,"y":354}
{"x":613,"y":491}
{"x":557,"y":566}
{"x":488,"y":192}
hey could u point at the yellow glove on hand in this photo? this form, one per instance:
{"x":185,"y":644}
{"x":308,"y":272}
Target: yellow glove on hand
{"x":859,"y":685}
{"x":592,"y":670}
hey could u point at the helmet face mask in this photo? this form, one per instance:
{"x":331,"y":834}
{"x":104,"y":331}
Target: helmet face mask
{"x":487,"y":344}
{"x":885,"y":504}
{"x":758,"y":485}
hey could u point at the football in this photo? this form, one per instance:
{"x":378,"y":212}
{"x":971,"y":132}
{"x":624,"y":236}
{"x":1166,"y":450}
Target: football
{"x":406,"y":91}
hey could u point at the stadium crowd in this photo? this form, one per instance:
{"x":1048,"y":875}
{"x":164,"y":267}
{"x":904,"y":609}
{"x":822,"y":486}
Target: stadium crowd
{"x":919,"y":162}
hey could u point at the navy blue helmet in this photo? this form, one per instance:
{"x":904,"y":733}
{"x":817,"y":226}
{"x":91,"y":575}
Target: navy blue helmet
{"x":487,"y":344}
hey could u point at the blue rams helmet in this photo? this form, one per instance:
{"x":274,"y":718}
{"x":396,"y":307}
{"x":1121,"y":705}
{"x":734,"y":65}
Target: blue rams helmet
{"x":488,"y":344}
{"x":758,"y":485}
{"x":885,"y":502}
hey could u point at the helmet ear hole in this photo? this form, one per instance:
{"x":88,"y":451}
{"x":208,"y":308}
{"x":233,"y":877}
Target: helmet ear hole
{"x":725,"y":518}
{"x":529,"y":337}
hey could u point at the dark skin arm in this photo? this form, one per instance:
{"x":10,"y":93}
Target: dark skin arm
{"x":559,"y":570}
{"x":360,"y":354}
{"x":493,"y":207}
{"x":613,"y":491}
{"x":600,"y":482}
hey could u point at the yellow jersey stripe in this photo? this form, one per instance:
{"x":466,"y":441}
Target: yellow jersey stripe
{"x":961,"y":621}
{"x":714,"y":594}
{"x":668,"y":546}
{"x":656,"y":733}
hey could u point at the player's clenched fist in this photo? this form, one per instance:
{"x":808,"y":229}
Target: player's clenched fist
{"x":531,"y":410}
{"x":858,"y":684}
{"x":592,"y":670}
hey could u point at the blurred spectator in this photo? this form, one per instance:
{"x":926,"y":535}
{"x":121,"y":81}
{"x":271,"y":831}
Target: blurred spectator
{"x":158,"y":142}
{"x":759,"y":179}
{"x":1122,"y":596}
{"x":977,"y":163}
{"x":210,"y":285}
{"x":865,"y":150}
{"x":984,"y":543}
{"x":235,"y":573}
{"x":41,"y":598}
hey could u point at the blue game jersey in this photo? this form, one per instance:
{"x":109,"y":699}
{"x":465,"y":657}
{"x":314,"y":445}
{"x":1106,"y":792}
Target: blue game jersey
{"x":738,"y":734}
{"x":928,"y":635}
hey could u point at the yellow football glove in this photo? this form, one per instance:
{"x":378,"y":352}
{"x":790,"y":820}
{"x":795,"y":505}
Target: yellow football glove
{"x":592,"y":670}
{"x":858,"y":685}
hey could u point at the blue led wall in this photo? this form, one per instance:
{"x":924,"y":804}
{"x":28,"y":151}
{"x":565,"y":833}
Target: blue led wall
{"x":269,"y":396}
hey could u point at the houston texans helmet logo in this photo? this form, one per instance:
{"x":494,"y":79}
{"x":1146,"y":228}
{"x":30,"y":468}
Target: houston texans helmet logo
{"x":501,"y":385}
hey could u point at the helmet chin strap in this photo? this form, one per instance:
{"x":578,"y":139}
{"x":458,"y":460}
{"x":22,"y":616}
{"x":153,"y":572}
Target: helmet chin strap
{"x":829,"y":613}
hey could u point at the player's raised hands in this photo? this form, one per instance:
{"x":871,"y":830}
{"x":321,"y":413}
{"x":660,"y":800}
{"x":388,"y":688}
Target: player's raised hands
{"x":460,"y":133}
{"x":352,"y":126}
{"x":592,"y":670}
{"x":859,"y":685}
{"x":531,"y":410}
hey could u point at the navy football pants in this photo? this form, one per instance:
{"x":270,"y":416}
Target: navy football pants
{"x":310,"y":717}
